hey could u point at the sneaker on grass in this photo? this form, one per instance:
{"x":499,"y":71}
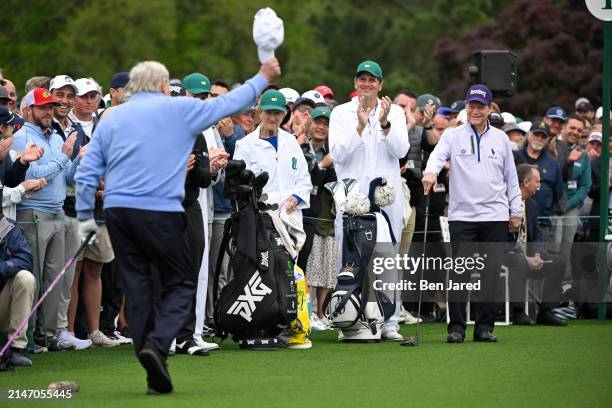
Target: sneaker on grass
{"x":205,"y":344}
{"x":18,"y":358}
{"x":68,"y":337}
{"x":191,"y":348}
{"x":99,"y":339}
{"x":123,"y":336}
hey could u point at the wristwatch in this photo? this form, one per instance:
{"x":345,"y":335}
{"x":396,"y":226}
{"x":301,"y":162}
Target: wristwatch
{"x":387,"y":126}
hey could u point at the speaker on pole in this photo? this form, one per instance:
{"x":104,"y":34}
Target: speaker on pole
{"x":496,"y":69}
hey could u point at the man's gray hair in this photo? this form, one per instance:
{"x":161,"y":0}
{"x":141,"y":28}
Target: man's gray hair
{"x":147,"y":76}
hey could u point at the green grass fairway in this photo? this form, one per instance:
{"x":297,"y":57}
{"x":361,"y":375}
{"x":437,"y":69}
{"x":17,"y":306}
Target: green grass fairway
{"x":529,"y":367}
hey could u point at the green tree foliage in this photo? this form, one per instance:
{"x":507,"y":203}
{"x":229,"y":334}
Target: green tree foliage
{"x":422,"y":45}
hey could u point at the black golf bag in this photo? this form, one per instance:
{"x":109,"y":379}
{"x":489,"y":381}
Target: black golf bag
{"x":260,"y":300}
{"x":355,"y":306}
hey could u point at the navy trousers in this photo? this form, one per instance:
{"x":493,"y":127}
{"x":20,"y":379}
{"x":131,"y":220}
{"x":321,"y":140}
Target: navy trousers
{"x":141,"y":240}
{"x":485,"y":238}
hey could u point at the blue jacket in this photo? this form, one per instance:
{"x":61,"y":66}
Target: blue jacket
{"x":141,"y":148}
{"x":54,"y":166}
{"x":551,"y":183}
{"x":15,"y":254}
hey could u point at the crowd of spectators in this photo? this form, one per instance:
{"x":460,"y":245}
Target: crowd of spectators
{"x":45,"y":133}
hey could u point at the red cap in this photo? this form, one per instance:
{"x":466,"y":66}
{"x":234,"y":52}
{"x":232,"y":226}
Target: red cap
{"x":38,"y":97}
{"x":325,"y":91}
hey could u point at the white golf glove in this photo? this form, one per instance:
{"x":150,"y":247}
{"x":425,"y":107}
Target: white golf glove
{"x":86,"y":227}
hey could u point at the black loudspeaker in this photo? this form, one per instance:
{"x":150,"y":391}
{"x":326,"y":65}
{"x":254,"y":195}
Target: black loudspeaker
{"x":497,"y":70}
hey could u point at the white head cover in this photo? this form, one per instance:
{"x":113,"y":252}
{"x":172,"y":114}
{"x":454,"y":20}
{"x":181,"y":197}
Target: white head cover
{"x":268,"y":33}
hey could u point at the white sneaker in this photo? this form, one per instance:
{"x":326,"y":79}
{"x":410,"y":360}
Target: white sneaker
{"x":119,"y":335}
{"x":66,"y":337}
{"x":407,"y":318}
{"x":172,"y":350}
{"x":325,"y":322}
{"x":101,"y":340}
{"x":392,"y":335}
{"x":315,"y":323}
{"x":204,"y":344}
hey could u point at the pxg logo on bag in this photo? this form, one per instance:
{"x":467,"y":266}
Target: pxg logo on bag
{"x":254,"y":291}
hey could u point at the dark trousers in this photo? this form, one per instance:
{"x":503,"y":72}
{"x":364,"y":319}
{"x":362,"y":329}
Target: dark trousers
{"x":142,"y":239}
{"x":195,"y":238}
{"x":468,"y":238}
{"x":552,"y":273}
{"x":309,"y":229}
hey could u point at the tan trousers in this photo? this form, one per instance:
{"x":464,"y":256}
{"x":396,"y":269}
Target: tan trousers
{"x":16,"y":298}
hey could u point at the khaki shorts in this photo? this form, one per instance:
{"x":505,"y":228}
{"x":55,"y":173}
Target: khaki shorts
{"x":101,"y":250}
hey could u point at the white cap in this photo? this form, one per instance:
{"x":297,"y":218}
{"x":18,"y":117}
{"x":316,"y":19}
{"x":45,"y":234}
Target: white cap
{"x":86,"y":85}
{"x":525,"y":126}
{"x":595,"y":136}
{"x":290,"y":94}
{"x":314,"y":96}
{"x":462,"y":116}
{"x":61,"y":81}
{"x":599,"y":113}
{"x":508,"y":117}
{"x":268,"y":33}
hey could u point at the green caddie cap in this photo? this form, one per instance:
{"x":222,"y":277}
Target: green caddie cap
{"x":272,"y":100}
{"x":370,"y":67}
{"x":196,"y":83}
{"x":320,"y":112}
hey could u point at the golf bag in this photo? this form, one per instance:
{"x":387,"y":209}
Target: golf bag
{"x":355,"y":306}
{"x":260,"y":301}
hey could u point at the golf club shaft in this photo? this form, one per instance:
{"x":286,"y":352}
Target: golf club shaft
{"x":42,"y":298}
{"x":427,"y":202}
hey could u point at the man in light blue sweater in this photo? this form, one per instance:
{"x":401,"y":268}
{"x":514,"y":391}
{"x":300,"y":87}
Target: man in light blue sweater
{"x":42,"y":216}
{"x":141,"y":149}
{"x":484,"y":204}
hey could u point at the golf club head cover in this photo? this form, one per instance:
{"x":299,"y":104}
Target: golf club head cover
{"x":357,"y":203}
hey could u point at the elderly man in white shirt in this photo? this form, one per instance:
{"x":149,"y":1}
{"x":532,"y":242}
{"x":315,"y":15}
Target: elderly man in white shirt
{"x":367,"y":137}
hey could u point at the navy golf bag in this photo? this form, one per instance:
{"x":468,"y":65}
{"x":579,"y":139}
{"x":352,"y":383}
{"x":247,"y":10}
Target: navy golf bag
{"x":355,"y":307}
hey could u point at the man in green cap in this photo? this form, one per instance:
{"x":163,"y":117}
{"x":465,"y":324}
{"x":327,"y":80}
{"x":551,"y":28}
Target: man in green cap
{"x":197,"y":85}
{"x":269,"y":148}
{"x":367,"y":137}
